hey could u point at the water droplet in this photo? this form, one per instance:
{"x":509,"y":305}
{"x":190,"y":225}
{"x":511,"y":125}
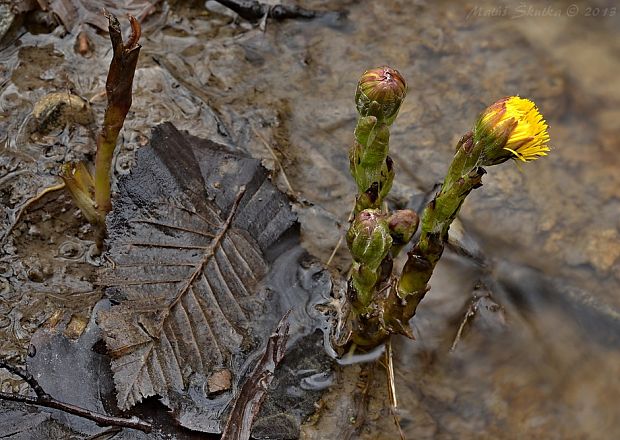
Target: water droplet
{"x":71,"y":250}
{"x":318,"y":381}
{"x":93,"y":256}
{"x":124,"y":163}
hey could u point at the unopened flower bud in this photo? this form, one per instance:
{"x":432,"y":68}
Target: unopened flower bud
{"x":403,"y":224}
{"x":380,"y":93}
{"x":369,"y":238}
{"x":512,"y":128}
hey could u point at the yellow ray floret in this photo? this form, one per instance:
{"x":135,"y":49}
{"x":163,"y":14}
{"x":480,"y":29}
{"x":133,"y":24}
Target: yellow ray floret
{"x":529,"y":138}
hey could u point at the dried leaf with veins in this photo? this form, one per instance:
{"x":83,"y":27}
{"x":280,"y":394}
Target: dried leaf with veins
{"x":187,"y":272}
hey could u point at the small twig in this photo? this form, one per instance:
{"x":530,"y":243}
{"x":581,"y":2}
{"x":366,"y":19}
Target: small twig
{"x":27,"y":377}
{"x":249,"y":400}
{"x":397,"y":423}
{"x":107,"y":434}
{"x":97,"y":96}
{"x":389,"y":368}
{"x":100,"y":419}
{"x":273,"y":154}
{"x":469,"y":314}
{"x":253,"y":10}
{"x":45,"y":400}
{"x":333,"y":254}
{"x":339,"y":243}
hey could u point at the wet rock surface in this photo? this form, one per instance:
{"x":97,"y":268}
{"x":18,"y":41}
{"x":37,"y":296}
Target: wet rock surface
{"x":548,"y":233}
{"x":70,"y":370}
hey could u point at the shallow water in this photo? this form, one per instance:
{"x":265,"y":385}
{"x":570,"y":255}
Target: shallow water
{"x":540,"y":357}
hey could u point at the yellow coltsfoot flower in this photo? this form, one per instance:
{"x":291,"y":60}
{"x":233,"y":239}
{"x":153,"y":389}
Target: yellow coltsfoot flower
{"x":512,"y":128}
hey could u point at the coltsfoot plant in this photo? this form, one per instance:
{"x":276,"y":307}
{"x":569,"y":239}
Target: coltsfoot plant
{"x":382,"y":301}
{"x":92,"y":194}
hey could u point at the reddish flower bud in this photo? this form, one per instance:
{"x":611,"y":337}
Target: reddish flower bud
{"x":380,"y":93}
{"x":369,"y":238}
{"x":403,"y":224}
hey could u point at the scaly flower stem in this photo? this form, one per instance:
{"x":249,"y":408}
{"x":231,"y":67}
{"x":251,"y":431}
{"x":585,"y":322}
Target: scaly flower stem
{"x":370,"y":164}
{"x":399,"y":305}
{"x":369,"y":241}
{"x":378,"y":97}
{"x":463,"y":176}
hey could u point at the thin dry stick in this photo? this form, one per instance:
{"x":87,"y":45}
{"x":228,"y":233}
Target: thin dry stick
{"x":389,"y":361}
{"x":389,"y":368}
{"x":273,"y":154}
{"x":249,"y":400}
{"x":107,"y":434}
{"x":339,"y":243}
{"x":253,"y":10}
{"x":45,"y":400}
{"x":471,"y":311}
{"x":97,"y":96}
{"x":333,"y":254}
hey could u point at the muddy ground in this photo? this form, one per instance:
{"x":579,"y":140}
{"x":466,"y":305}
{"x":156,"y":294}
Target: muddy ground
{"x":538,"y":357}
